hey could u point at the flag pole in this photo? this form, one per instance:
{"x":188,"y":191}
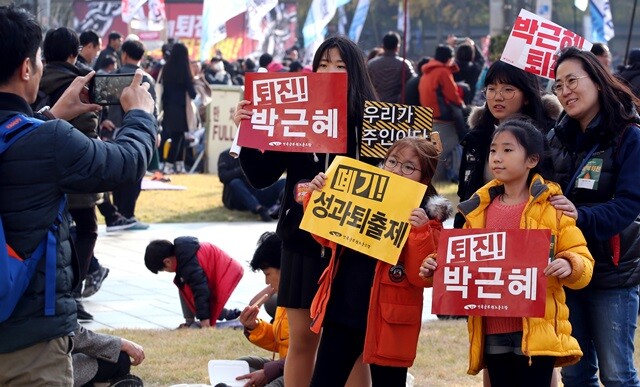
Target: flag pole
{"x":404,"y":49}
{"x":633,"y":15}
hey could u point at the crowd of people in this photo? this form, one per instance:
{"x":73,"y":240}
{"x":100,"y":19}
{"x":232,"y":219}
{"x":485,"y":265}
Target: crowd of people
{"x":523,"y":158}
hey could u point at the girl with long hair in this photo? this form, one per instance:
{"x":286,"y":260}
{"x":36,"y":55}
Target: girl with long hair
{"x":177,"y":86}
{"x":303,"y":259}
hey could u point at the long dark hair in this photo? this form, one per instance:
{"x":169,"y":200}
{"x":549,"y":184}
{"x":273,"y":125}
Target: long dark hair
{"x":527,"y":83}
{"x":618,"y":104}
{"x":177,"y":69}
{"x":530,"y":138}
{"x":359,"y":86}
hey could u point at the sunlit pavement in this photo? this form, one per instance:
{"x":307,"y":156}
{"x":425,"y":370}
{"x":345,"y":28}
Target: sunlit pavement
{"x":133,"y":297}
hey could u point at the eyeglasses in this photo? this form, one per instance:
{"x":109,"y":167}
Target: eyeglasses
{"x":506,"y":92}
{"x":405,"y":168}
{"x":571,"y":83}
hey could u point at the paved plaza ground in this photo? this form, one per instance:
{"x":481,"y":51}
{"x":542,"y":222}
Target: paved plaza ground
{"x":133,"y":297}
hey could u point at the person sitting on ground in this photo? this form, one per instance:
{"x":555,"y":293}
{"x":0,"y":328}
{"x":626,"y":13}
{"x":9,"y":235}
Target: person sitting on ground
{"x":100,"y":358}
{"x":238,"y":194}
{"x":274,"y":336}
{"x":205,"y":276}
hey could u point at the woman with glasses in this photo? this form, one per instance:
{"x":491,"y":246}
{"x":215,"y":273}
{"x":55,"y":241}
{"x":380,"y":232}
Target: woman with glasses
{"x":508,"y":91}
{"x":596,"y":153}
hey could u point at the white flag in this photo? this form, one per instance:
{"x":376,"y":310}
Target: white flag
{"x":214,"y":18}
{"x":132,"y":9}
{"x":581,"y":4}
{"x":601,"y":21}
{"x":257,"y":10}
{"x":320,"y":14}
{"x":543,"y":8}
{"x":157,"y":18}
{"x":358,"y":20}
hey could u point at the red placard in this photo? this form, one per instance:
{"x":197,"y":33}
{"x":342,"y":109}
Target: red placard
{"x":296,"y":112}
{"x":491,"y":272}
{"x":534,"y":44}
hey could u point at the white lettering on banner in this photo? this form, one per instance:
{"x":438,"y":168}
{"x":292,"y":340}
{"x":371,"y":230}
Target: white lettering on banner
{"x":298,"y":119}
{"x":390,"y":114}
{"x":280,"y":91}
{"x":184,"y":26}
{"x":456,"y":281}
{"x":496,"y":281}
{"x":526,"y":282}
{"x":477,"y":247}
{"x":326,"y":122}
{"x":387,"y":137}
{"x":264,"y":119}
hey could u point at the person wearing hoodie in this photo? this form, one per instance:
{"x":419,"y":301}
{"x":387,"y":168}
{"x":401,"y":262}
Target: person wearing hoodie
{"x":595,"y":147}
{"x":60,"y":51}
{"x":205,"y":276}
{"x":439,"y":91}
{"x":508,"y":91}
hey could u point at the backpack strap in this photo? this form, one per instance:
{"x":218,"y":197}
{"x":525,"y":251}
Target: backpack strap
{"x":50,"y":261}
{"x":11,"y":130}
{"x":14,"y":128}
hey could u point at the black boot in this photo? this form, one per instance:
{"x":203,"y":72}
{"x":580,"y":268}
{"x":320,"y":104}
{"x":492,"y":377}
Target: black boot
{"x":82,"y":312}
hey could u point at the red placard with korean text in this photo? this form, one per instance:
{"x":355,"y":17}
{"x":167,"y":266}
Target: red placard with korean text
{"x":296,"y":112}
{"x":535,"y":42}
{"x":491,"y":272}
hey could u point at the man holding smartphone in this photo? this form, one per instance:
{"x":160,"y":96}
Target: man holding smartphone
{"x":35,"y":174}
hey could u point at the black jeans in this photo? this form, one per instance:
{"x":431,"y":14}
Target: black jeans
{"x":86,"y":233}
{"x":340,"y":347}
{"x":107,"y":371}
{"x":125,"y":198}
{"x":509,"y":369}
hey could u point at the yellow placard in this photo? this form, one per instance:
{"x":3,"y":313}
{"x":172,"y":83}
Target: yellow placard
{"x":364,"y":208}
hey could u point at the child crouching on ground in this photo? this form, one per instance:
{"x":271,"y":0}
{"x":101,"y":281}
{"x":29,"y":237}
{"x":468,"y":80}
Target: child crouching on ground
{"x":205,"y":276}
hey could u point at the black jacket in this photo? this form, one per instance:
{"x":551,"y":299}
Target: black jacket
{"x":264,"y":169}
{"x":631,"y":74}
{"x":229,"y":169}
{"x":608,"y":212}
{"x":189,"y":272}
{"x":56,"y":77}
{"x":53,"y":160}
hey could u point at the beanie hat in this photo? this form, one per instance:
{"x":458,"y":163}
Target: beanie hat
{"x":444,"y":52}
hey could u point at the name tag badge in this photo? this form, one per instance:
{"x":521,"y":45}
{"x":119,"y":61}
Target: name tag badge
{"x":586,"y":183}
{"x":590,"y":175}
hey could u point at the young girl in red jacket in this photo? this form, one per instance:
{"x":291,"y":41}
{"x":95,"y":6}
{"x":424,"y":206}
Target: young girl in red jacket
{"x":368,"y":307}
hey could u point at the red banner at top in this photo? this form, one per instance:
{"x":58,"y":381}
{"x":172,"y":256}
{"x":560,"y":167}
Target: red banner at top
{"x":489,"y":272}
{"x":296,"y":112}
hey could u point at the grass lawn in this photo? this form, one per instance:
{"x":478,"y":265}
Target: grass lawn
{"x":174,"y":357}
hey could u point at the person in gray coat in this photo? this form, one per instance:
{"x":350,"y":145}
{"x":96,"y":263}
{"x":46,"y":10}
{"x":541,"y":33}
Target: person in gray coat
{"x":100,"y":358}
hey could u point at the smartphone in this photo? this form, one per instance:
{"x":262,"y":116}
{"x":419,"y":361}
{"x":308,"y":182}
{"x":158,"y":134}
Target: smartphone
{"x":106,"y":89}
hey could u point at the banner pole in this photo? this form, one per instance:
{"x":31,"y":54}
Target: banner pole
{"x":633,"y":16}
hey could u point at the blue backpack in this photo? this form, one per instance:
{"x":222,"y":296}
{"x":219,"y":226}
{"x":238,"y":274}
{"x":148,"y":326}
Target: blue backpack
{"x":16,"y":272}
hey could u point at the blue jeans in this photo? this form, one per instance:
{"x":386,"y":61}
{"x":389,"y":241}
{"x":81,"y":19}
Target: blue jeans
{"x":246,"y":198}
{"x":604,"y":323}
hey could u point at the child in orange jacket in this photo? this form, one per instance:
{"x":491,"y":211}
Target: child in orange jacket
{"x":369,"y":307}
